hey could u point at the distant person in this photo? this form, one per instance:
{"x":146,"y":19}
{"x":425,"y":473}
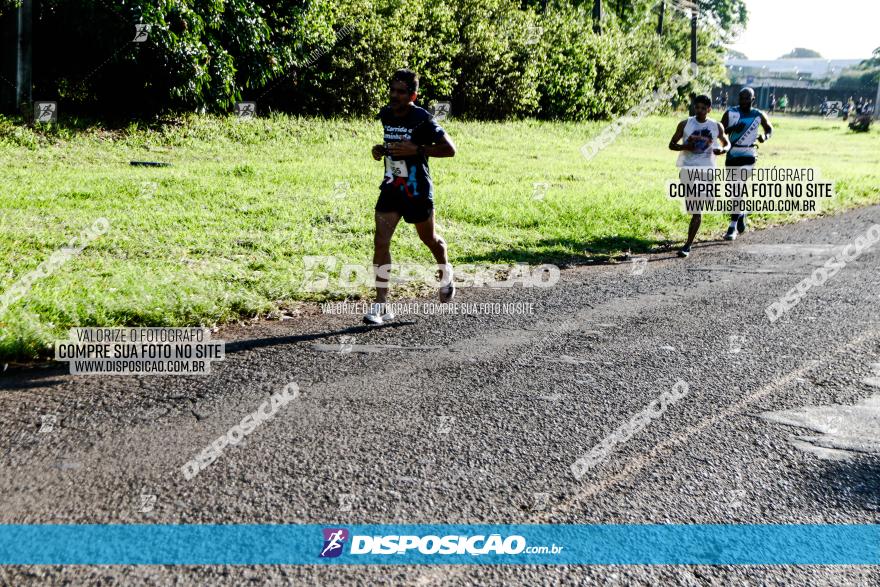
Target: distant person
{"x":849,"y":108}
{"x":783,"y":102}
{"x":859,"y":105}
{"x":724,"y":101}
{"x":697,"y":138}
{"x":772,"y":102}
{"x":862,"y":122}
{"x":741,"y":123}
{"x":411,"y":136}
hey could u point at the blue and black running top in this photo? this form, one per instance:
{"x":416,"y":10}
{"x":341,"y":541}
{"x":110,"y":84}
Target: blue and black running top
{"x":410,"y":174}
{"x":742,"y":130}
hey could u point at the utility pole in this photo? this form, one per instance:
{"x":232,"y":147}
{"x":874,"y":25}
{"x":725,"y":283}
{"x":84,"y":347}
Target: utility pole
{"x":660,"y":19}
{"x":23,"y":55}
{"x":597,"y":17}
{"x":694,"y":34}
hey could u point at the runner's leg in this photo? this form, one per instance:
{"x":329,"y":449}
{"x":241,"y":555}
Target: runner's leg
{"x":433,"y":241}
{"x":696,"y":219}
{"x":386,"y":222}
{"x":437,"y":245}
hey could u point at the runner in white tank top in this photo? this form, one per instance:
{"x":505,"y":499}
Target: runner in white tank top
{"x":698,"y":139}
{"x":703,"y":138}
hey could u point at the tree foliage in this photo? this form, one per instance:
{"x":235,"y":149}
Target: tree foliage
{"x":864,"y":77}
{"x":801,"y":53}
{"x":492,"y":59}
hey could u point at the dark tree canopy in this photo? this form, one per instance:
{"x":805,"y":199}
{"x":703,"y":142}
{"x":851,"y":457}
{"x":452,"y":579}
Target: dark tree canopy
{"x":492,"y":59}
{"x":801,"y":53}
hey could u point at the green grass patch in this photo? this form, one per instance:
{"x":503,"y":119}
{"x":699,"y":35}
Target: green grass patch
{"x":221,"y":234}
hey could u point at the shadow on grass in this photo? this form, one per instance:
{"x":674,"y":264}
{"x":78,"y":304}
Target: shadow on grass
{"x":562,"y":251}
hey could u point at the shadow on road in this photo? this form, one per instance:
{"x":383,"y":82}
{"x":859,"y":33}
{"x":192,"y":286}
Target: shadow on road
{"x":45,"y":374}
{"x":855,"y":482}
{"x":556,"y":250}
{"x":245,"y":345}
{"x":598,"y":251}
{"x":32,"y":376}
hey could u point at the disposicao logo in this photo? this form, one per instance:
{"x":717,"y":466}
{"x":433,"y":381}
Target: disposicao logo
{"x":334,"y":539}
{"x":442,"y":545}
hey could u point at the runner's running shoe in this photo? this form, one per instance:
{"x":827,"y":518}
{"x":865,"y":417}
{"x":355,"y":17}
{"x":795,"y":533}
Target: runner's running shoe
{"x":378,"y":314}
{"x":684,"y":251}
{"x":741,"y":224}
{"x":731,"y":234}
{"x":447,"y":290}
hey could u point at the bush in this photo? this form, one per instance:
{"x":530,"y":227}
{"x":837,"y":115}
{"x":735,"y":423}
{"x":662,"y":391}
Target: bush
{"x":586,"y":76}
{"x":470,"y":52}
{"x":197,"y":55}
{"x":351,"y":76}
{"x":498,"y":61}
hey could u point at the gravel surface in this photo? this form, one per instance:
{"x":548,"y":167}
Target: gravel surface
{"x":465,"y":418}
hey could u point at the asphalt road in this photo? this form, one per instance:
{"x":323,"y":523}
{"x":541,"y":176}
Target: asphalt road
{"x":478,"y":419}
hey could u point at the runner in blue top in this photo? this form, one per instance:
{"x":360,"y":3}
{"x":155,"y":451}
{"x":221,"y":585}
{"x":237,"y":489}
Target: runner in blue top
{"x":741,"y":123}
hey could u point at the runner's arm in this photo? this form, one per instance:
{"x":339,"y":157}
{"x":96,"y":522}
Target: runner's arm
{"x":674,"y":142}
{"x":722,"y":138}
{"x":444,"y":147}
{"x":768,"y":129}
{"x":378,"y":151}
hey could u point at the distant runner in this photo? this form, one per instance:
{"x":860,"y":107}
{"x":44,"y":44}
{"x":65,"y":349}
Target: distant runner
{"x":742,"y":124}
{"x":411,"y":136}
{"x":700,"y":136}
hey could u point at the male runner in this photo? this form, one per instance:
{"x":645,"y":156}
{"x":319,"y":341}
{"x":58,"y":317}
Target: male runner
{"x":742,"y":124}
{"x":411,"y":136}
{"x":701,"y":135}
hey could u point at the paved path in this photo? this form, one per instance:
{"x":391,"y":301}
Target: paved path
{"x":467,"y":419}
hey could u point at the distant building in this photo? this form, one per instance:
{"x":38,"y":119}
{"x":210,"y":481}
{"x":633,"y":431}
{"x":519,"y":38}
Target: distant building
{"x":806,"y":82}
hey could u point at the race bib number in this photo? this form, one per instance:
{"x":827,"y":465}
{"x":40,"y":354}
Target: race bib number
{"x":396,"y":168}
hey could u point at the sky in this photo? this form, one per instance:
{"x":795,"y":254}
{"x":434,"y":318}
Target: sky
{"x":841,"y":29}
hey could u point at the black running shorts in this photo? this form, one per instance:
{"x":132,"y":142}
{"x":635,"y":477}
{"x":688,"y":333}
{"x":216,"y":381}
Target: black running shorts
{"x":395,"y":198}
{"x":741,"y":161}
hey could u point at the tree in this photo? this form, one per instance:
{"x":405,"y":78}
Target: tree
{"x":801,"y":53}
{"x":862,"y":76}
{"x":8,"y":6}
{"x":730,"y":16}
{"x":734,"y":54}
{"x":492,"y":59}
{"x":873,"y":61}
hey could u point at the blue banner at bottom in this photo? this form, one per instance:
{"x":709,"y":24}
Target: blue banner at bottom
{"x":808,"y":544}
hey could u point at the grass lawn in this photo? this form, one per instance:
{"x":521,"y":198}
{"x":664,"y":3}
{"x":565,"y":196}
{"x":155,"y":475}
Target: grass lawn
{"x":221,"y":233}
